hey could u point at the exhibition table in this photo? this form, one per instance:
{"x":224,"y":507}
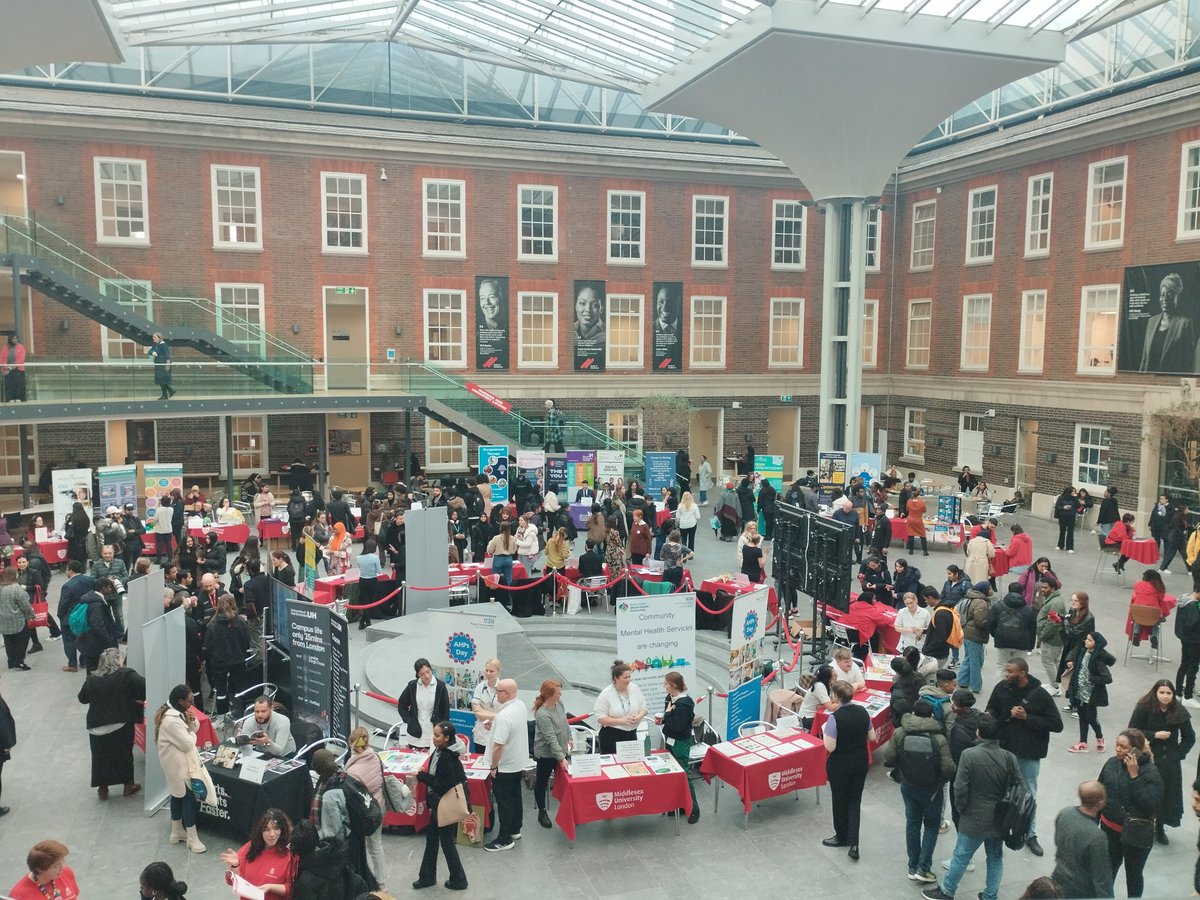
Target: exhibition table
{"x":1001,"y":565}
{"x":330,"y":588}
{"x":900,"y":532}
{"x":579,"y":513}
{"x":889,"y":637}
{"x":878,"y":671}
{"x":652,"y":787}
{"x":229,"y":534}
{"x":877,"y":705}
{"x":660,"y":516}
{"x":1143,"y":550}
{"x":206,"y":735}
{"x":711,"y":586}
{"x":286,"y":785}
{"x":474,"y":570}
{"x":406,"y":763}
{"x":54,"y":551}
{"x":768,"y":764}
{"x":269,"y":529}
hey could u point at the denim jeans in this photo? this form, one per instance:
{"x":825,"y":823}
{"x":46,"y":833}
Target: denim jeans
{"x":964,"y":850}
{"x":921,"y":808}
{"x":503,"y":566}
{"x":970,"y":673}
{"x":185,"y":808}
{"x":1029,"y":771}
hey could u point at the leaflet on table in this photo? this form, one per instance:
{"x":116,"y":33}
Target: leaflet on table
{"x":729,"y":749}
{"x":630,"y":751}
{"x":748,"y":743}
{"x":475,"y":774}
{"x":398,"y":763}
{"x":786,"y":726}
{"x":586,"y":765}
{"x":765,"y":738}
{"x":662,"y":764}
{"x":615,"y":771}
{"x":285,"y":765}
{"x":637,"y":768}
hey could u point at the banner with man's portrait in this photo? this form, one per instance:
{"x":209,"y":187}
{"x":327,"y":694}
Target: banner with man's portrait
{"x":667,"y":327}
{"x":1160,"y":320}
{"x":491,"y":323}
{"x":588,"y":324}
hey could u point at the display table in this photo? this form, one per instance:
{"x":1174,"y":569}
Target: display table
{"x":1001,"y":565}
{"x":770,"y":764}
{"x":332,"y":587}
{"x":900,"y":532}
{"x":662,"y":788}
{"x":229,"y":534}
{"x":481,"y":570}
{"x":877,"y":704}
{"x":660,"y":516}
{"x":206,"y":735}
{"x":406,"y":763}
{"x":1143,"y":550}
{"x":579,"y":513}
{"x":240,"y":803}
{"x":878,"y":671}
{"x":710,"y":586}
{"x":271,"y":529}
{"x":54,"y":551}
{"x":889,"y":637}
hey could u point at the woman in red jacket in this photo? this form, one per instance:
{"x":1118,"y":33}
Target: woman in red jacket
{"x":1019,"y":551}
{"x":265,"y":860}
{"x":1120,"y":531}
{"x":1149,"y":591}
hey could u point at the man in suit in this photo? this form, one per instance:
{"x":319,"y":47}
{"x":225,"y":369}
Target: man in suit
{"x":1170,"y":342}
{"x":585,"y":494}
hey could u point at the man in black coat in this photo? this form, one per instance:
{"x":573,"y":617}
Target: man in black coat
{"x":101,"y":633}
{"x":1012,"y":626}
{"x":1027,"y":715}
{"x":73,"y":590}
{"x":339,"y":511}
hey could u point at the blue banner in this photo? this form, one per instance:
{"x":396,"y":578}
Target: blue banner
{"x":660,"y":472}
{"x":744,"y":705}
{"x":493,"y":462}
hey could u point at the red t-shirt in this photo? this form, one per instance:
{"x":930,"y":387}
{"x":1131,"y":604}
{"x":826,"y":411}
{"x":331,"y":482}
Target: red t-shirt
{"x":273,"y":866}
{"x":64,"y":885}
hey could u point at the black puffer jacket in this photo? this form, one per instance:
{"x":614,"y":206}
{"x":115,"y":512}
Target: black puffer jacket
{"x":324,"y":875}
{"x":1027,"y":738}
{"x":1097,"y":675}
{"x":1140,"y":797}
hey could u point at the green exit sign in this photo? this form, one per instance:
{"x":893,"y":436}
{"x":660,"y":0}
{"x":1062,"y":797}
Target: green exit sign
{"x":785,"y":398}
{"x":345,"y":290}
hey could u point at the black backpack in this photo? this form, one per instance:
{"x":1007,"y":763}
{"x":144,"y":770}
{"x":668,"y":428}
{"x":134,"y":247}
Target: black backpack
{"x":296,"y":508}
{"x":918,"y":761}
{"x":1009,"y":631}
{"x":362,"y":809}
{"x":1187,"y":622}
{"x":1014,"y":812}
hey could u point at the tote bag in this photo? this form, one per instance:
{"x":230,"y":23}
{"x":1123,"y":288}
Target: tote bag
{"x":453,"y":806}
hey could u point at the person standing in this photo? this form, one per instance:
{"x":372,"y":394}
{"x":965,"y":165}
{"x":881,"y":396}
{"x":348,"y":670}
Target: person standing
{"x":365,"y":765}
{"x":443,"y":772}
{"x":114,"y":696}
{"x":551,"y":742}
{"x":976,"y":631}
{"x":8,"y":740}
{"x":160,"y":352}
{"x":914,"y":515}
{"x":1013,"y":626}
{"x":1135,"y":792}
{"x":507,"y":754}
{"x":767,"y":495}
{"x":1066,"y":508}
{"x":47,"y":877}
{"x":1050,"y":615}
{"x":175,"y":727}
{"x":13,"y":369}
{"x":164,"y":530}
{"x":15,"y":612}
{"x":679,"y":711}
{"x":704,"y":479}
{"x":619,"y":709}
{"x":424,"y":700}
{"x":1168,"y":729}
{"x":1089,"y":687}
{"x":985,"y":772}
{"x":1081,"y":865}
{"x":846,"y":734}
{"x":1160,"y":517}
{"x":923,"y":765}
{"x":1026,"y":715}
{"x":1187,"y":629}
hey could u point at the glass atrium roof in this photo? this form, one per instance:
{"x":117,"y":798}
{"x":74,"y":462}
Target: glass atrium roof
{"x":574,"y":64}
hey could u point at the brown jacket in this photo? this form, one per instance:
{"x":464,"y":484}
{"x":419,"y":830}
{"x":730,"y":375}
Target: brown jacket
{"x":639,"y":539}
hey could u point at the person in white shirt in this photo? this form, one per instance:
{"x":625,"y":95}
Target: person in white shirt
{"x":911,"y":622}
{"x":817,"y":697}
{"x":619,"y":709}
{"x":845,"y":669}
{"x":508,"y":755}
{"x":424,"y":701}
{"x":485,"y":704}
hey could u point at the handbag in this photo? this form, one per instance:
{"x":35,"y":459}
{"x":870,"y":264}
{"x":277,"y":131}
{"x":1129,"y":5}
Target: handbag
{"x":453,"y":806}
{"x":41,"y":614}
{"x":1138,"y":833}
{"x":396,"y":794}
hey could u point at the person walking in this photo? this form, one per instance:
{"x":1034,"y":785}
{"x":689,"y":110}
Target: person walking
{"x":160,"y":352}
{"x":846,"y":734}
{"x":1089,"y":687}
{"x":1168,"y":729}
{"x":974,"y":619}
{"x":175,"y":727}
{"x":704,"y":479}
{"x":114,"y":696}
{"x":15,"y":612}
{"x":1135,"y":792}
{"x":1050,"y":614}
{"x":919,"y":754}
{"x":507,"y":754}
{"x":1013,"y":626}
{"x":551,"y":742}
{"x":1081,"y":865}
{"x":365,"y":765}
{"x":1026,"y":715}
{"x":985,"y":772}
{"x":1187,"y":629}
{"x":441,"y":774}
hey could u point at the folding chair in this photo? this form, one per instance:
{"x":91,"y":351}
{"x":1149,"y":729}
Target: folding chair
{"x":596,"y":581}
{"x":746,"y":729}
{"x":583,"y":738}
{"x":1107,"y":551}
{"x":1149,"y":617}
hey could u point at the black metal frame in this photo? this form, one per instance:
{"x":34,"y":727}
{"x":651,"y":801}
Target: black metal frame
{"x":812,"y":555}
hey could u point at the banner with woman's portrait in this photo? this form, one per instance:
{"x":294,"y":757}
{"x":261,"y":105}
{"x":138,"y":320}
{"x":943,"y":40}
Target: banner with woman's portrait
{"x":1160,"y":320}
{"x":588,"y":326}
{"x":491,"y":323}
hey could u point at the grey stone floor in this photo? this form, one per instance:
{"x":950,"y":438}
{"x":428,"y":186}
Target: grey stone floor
{"x":46,"y":784}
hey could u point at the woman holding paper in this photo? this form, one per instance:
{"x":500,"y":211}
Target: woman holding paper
{"x":264,"y":861}
{"x":619,"y":709}
{"x":551,"y":741}
{"x":679,"y":710}
{"x":443,"y":773}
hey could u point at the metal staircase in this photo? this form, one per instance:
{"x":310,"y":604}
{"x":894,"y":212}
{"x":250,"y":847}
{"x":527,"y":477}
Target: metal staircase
{"x":68,"y":274}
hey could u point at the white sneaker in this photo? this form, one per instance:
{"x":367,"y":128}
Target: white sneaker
{"x":1193,"y":702}
{"x":970,"y":866}
{"x":1165,"y":571}
{"x":1070,"y":551}
{"x":1057,"y":692}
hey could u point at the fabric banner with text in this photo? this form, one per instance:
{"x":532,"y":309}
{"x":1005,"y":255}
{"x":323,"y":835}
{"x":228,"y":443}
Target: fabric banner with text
{"x":591,"y":338}
{"x":118,"y":486}
{"x":493,"y":464}
{"x":655,"y":635}
{"x":867,"y":466}
{"x":610,"y":465}
{"x":831,"y":473}
{"x":530,"y":464}
{"x":556,"y":473}
{"x":667,"y":329}
{"x":660,"y":472}
{"x":458,"y":645}
{"x":491,"y":323}
{"x":581,"y":469}
{"x":158,"y":481}
{"x":71,"y":486}
{"x":747,"y":630}
{"x":320,"y":667}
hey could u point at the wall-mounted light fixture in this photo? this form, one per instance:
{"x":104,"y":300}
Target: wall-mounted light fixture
{"x":382,"y":174}
{"x":64,"y":325}
{"x":295,"y":328}
{"x":60,"y":200}
{"x":1051,"y":457}
{"x":1123,"y":468}
{"x":399,"y":330}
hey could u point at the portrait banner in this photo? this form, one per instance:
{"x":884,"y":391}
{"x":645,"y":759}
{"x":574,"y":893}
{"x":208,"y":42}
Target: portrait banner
{"x":668,"y":326}
{"x":160,"y":480}
{"x":1159,"y":311}
{"x":71,"y":486}
{"x":493,"y":463}
{"x":491,"y":323}
{"x":591,"y":338}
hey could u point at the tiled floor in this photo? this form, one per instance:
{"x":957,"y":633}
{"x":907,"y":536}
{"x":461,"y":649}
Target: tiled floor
{"x":46,"y":784}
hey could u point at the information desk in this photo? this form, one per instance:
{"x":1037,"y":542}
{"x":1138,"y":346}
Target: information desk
{"x":877,"y":705}
{"x":239,"y":802}
{"x":53,"y":551}
{"x":206,"y":735}
{"x":406,"y":763}
{"x":769,"y":764}
{"x":710,"y":587}
{"x":273,"y":529}
{"x":655,"y":786}
{"x":900,"y":532}
{"x":878,"y":671}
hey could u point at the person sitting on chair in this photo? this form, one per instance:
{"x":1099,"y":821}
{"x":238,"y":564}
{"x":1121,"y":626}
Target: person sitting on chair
{"x":272,"y":731}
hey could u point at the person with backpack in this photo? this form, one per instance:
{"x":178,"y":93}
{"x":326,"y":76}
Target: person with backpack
{"x":343,"y":810}
{"x":955,"y":587}
{"x":919,"y":755}
{"x":961,"y":736}
{"x":945,"y":630}
{"x":296,"y":510}
{"x":1089,"y":687}
{"x":1027,"y":715}
{"x":945,"y":683}
{"x":91,"y":622}
{"x":1013,"y":626}
{"x":1187,"y":629}
{"x":973,"y":615}
{"x":984,"y":775}
{"x":1051,"y":610}
{"x":321,"y":871}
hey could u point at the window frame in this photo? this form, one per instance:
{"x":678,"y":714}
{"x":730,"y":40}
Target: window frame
{"x":9,"y":463}
{"x":723,"y":262}
{"x":461,"y":362}
{"x":460,"y":448}
{"x":771,"y":334}
{"x":522,"y":342}
{"x":249,"y":246}
{"x":461,"y":234}
{"x":963,"y":364}
{"x":910,"y":426}
{"x":692,"y":331}
{"x":1182,"y":233}
{"x":1030,"y":199}
{"x":908,"y":345}
{"x":117,"y":240}
{"x":972,"y":211}
{"x":913,"y":265}
{"x":630,"y":446}
{"x":362,"y":250}
{"x":1028,"y":317}
{"x":551,"y":257}
{"x":871,"y":338}
{"x":776,"y":218}
{"x":262,"y":434}
{"x":262,"y":311}
{"x":612,"y":299}
{"x":640,"y":259}
{"x":873,"y":222}
{"x":1076,"y":462}
{"x":142,"y":306}
{"x":1089,"y":243}
{"x":1081,"y":366}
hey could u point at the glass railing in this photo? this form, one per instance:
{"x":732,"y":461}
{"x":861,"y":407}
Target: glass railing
{"x":73,"y":381}
{"x":33,"y":238}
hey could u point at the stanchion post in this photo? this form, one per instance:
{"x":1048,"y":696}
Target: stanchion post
{"x":716,"y":781}
{"x":357,"y":698}
{"x":266,"y":624}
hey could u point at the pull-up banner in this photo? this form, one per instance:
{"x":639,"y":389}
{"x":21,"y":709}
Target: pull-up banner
{"x":668,"y":325}
{"x":591,"y":338}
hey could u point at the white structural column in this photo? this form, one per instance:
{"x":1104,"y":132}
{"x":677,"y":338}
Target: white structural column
{"x":844,"y":280}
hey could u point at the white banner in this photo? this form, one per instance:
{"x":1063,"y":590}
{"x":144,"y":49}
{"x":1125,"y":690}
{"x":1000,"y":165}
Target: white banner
{"x":657,"y":634}
{"x":71,"y":486}
{"x":531,"y":459}
{"x":610,"y":465}
{"x":749,"y":618}
{"x":748,"y":628}
{"x":459,"y":645}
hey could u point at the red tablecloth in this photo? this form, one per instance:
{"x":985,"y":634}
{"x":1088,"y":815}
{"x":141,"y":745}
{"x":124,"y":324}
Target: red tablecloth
{"x":736,"y":587}
{"x":1000,"y":563}
{"x":54,"y":552}
{"x":329,"y":588}
{"x":881,"y":719}
{"x":661,"y":516}
{"x":483,"y":569}
{"x":878,"y":671}
{"x":900,"y":531}
{"x":889,"y":637}
{"x":229,"y":534}
{"x":755,"y":777}
{"x":582,"y":800}
{"x":273,"y":528}
{"x":205,"y":735}
{"x":417,"y":818}
{"x":1143,"y":550}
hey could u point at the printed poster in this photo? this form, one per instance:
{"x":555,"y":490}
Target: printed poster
{"x":530,"y":464}
{"x":867,"y":466}
{"x":656,"y":635}
{"x":491,"y":323}
{"x":556,"y":474}
{"x":320,"y":667}
{"x":588,"y":325}
{"x":493,"y":463}
{"x":71,"y":486}
{"x":459,"y":644}
{"x":667,"y":328}
{"x":158,"y":481}
{"x":660,"y":472}
{"x":770,"y":468}
{"x":610,"y":466}
{"x":581,"y":469}
{"x":1158,"y":329}
{"x":747,"y":630}
{"x":118,"y":486}
{"x":831,"y":473}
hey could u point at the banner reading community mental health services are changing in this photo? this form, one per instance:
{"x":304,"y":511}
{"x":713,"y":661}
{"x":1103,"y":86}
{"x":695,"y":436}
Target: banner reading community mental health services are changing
{"x":656,"y":635}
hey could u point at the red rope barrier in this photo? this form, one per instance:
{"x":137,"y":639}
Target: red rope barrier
{"x":465,"y":579}
{"x":716,"y":612}
{"x":382,"y":697}
{"x":516,"y":587}
{"x":377,"y":602}
{"x":600,"y":587}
